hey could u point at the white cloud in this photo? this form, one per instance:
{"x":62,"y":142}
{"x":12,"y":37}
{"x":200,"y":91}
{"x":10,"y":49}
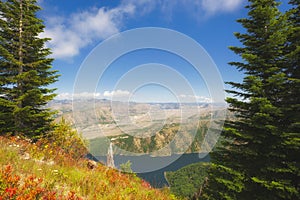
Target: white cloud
{"x":194,"y":7}
{"x":214,"y":6}
{"x":192,"y":98}
{"x":83,"y":95}
{"x":124,"y":95}
{"x":75,"y":32}
{"x":96,"y":95}
{"x":116,"y":94}
{"x":72,"y":33}
{"x":203,"y":99}
{"x":142,"y":6}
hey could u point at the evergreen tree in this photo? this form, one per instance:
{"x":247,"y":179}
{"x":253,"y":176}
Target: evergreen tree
{"x":291,"y":105}
{"x":25,"y":70}
{"x":257,"y":155}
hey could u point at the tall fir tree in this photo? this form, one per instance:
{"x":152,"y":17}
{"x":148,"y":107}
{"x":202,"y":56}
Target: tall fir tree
{"x":25,"y":70}
{"x":291,"y":104}
{"x":257,"y":155}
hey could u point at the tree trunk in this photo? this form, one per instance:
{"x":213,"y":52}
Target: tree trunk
{"x":20,"y":66}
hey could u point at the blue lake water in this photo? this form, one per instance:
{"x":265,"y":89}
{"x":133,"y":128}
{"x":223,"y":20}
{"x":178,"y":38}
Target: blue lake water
{"x":144,"y":164}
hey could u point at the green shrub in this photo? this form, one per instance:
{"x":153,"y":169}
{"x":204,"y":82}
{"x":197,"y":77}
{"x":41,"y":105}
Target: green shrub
{"x":126,"y":167}
{"x":64,"y":141}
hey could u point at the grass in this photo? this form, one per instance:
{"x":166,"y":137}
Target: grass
{"x":43,"y":171}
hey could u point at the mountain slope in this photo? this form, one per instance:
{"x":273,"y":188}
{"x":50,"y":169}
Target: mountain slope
{"x":28,"y":171}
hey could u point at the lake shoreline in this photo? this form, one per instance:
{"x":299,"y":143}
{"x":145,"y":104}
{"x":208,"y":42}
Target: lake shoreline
{"x":156,"y":177}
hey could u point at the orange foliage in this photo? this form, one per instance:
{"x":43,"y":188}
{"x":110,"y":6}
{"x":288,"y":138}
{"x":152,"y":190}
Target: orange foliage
{"x":27,"y":188}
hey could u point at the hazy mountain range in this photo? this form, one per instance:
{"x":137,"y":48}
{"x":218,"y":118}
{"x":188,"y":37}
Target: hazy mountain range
{"x":141,"y":127}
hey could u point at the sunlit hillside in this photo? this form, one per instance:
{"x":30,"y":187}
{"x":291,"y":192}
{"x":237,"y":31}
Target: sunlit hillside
{"x":46,"y":171}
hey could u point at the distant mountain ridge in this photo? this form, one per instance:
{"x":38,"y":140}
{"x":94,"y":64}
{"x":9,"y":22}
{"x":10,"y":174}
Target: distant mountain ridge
{"x":164,"y":128}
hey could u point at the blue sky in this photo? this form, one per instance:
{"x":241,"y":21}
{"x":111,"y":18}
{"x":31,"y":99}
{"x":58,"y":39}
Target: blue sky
{"x":77,"y":27}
